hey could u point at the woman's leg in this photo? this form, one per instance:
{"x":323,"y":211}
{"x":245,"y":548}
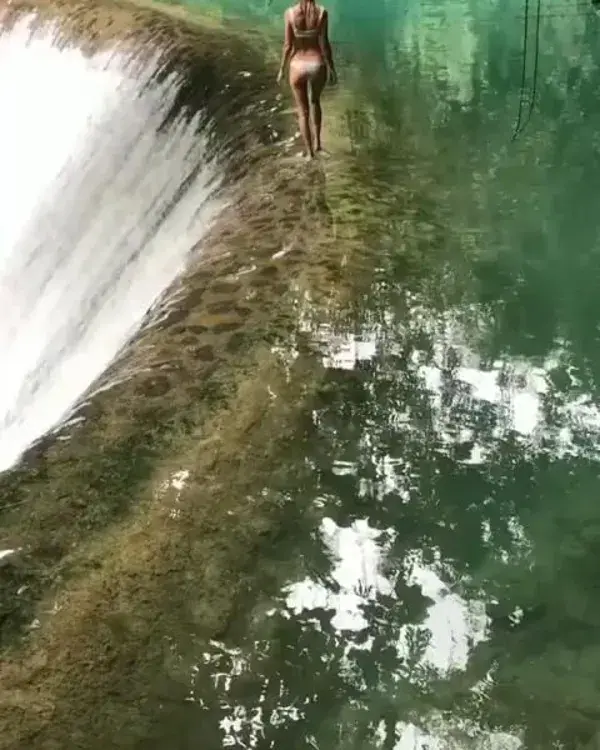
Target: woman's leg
{"x":316,"y":89}
{"x":299,"y":84}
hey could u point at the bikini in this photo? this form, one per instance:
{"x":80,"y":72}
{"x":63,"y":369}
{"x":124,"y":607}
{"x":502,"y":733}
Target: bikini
{"x":310,"y":67}
{"x":306,"y":33}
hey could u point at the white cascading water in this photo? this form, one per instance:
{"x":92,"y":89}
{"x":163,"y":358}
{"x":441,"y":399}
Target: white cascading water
{"x":92,"y":227}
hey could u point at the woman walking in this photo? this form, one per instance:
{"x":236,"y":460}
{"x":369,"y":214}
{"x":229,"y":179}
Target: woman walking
{"x":307,"y":49}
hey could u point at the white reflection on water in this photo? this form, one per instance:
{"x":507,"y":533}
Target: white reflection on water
{"x":518,"y":389}
{"x":449,"y":736}
{"x":455,"y":625}
{"x":169,"y":490}
{"x":357,"y":553}
{"x":363,"y":565}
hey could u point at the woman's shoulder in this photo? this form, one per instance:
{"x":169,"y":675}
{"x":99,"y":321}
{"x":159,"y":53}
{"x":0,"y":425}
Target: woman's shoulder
{"x":291,"y":12}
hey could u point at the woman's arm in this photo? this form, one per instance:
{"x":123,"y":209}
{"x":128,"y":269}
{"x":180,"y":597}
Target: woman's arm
{"x":326,"y":47}
{"x":288,"y":45}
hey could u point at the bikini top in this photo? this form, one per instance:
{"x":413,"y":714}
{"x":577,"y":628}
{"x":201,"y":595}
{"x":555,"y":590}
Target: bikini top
{"x":309,"y":33}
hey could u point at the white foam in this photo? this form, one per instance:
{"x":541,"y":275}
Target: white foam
{"x":92,"y":228}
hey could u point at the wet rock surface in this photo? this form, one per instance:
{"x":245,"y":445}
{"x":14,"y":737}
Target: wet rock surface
{"x":108,"y":569}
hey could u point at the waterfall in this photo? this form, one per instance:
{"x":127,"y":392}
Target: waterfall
{"x":101,"y":207}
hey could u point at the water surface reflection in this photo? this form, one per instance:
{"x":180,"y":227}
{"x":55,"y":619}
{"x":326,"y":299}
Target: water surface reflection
{"x":436,"y":583}
{"x":435,"y":587}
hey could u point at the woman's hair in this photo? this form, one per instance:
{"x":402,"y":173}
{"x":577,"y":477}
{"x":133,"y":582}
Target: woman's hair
{"x":309,"y":12}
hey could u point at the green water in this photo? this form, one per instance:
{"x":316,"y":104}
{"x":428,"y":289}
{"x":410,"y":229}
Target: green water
{"x":426,"y":547}
{"x":436,"y":583}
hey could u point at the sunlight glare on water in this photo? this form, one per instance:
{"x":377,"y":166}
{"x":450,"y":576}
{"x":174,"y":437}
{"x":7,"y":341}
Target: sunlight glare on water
{"x":95,"y":223}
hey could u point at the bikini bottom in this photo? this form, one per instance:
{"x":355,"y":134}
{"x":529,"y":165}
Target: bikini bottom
{"x":308,"y":68}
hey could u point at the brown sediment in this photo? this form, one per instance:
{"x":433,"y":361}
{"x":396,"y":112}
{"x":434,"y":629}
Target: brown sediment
{"x":108,"y":570}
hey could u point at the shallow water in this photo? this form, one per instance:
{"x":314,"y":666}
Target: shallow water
{"x":436,"y":583}
{"x":433,"y":583}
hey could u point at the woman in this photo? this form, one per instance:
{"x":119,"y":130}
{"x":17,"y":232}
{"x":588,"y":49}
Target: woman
{"x":307,"y":49}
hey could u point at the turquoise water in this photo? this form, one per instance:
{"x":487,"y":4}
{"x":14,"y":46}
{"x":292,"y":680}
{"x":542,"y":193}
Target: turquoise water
{"x":433,"y":582}
{"x":436,"y":586}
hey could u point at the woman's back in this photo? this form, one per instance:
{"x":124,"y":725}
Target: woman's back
{"x":306,"y":20}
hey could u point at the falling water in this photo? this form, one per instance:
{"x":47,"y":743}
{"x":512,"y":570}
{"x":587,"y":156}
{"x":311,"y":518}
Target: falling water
{"x":94,"y":225}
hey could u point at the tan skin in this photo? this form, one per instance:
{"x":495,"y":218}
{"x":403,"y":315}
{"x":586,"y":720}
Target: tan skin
{"x":311,"y":65}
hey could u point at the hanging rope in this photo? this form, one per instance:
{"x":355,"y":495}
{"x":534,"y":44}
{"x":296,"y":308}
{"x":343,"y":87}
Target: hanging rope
{"x":521,"y":124}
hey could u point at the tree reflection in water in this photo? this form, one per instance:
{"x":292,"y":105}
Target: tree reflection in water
{"x":435,"y":585}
